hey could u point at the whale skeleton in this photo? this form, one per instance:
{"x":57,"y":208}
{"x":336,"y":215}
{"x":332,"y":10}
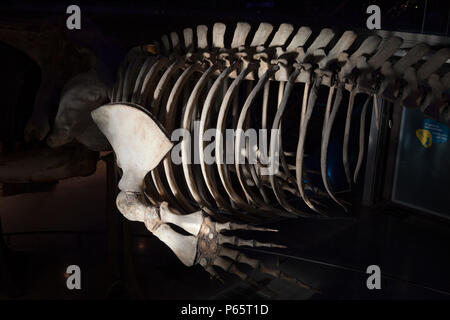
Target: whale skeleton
{"x":194,"y":79}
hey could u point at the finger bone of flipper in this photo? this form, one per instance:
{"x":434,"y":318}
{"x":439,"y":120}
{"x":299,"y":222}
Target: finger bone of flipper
{"x":238,"y":226}
{"x":243,"y":242}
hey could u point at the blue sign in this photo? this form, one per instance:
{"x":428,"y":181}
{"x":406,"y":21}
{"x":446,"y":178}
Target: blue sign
{"x":439,"y":131}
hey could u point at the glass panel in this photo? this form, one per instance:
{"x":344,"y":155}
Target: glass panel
{"x":422,"y":171}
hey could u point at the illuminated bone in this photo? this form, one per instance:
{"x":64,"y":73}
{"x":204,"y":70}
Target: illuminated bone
{"x":188,"y":36}
{"x":208,"y":175}
{"x":149,"y":81}
{"x":274,"y":150}
{"x":121,"y":124}
{"x":139,"y":143}
{"x":202,"y":37}
{"x":262,"y":34}
{"x":155,"y":107}
{"x":240,"y":35}
{"x":218,"y":35}
{"x":342,"y":45}
{"x":175,"y":42}
{"x":187,"y":120}
{"x":362,"y":130}
{"x":221,"y":121}
{"x":278,"y":41}
{"x":389,"y":86}
{"x":365,"y":84}
{"x":139,"y":83}
{"x":133,"y":207}
{"x":171,"y":109}
{"x":239,"y":132}
{"x":301,"y":142}
{"x":313,"y":54}
{"x":412,"y":94}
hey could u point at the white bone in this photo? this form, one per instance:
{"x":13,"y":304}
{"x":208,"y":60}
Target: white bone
{"x":220,"y":127}
{"x":433,"y":64}
{"x":282,"y":34}
{"x":184,"y":247}
{"x":321,"y":41}
{"x":343,"y":44}
{"x":188,"y":36}
{"x":240,"y":34}
{"x":262,"y":33}
{"x":171,"y":109}
{"x":185,"y":144}
{"x":413,"y":55}
{"x":131,"y":77}
{"x":300,"y":38}
{"x":189,"y":222}
{"x":386,"y":50}
{"x":149,"y":82}
{"x":140,"y":79}
{"x":247,"y":105}
{"x":218,"y":35}
{"x":163,"y":82}
{"x":206,"y":113}
{"x":133,"y":207}
{"x":139,"y":143}
{"x":367,"y":47}
{"x":175,"y":42}
{"x":202,"y":39}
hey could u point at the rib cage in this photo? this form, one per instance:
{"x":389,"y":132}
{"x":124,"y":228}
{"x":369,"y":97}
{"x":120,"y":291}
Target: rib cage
{"x":193,"y":79}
